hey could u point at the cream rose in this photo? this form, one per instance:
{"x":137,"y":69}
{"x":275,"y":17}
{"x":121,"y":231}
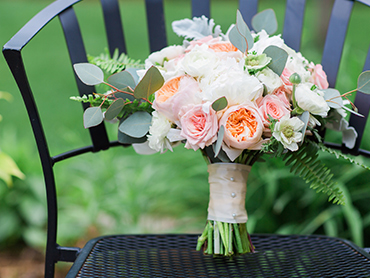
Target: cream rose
{"x":199,"y":61}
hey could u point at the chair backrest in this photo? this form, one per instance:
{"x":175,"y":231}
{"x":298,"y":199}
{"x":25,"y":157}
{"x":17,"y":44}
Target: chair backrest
{"x":292,"y":33}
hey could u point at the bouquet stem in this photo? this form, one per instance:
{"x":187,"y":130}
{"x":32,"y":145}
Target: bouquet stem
{"x":227,"y":239}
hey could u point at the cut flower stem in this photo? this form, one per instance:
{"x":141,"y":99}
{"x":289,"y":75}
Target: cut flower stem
{"x":227,"y":239}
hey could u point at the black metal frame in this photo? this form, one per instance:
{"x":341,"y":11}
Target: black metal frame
{"x":157,"y":39}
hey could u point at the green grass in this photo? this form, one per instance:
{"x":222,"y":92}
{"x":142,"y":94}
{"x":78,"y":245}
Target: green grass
{"x":158,"y":193}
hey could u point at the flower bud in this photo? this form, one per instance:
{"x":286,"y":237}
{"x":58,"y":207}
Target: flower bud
{"x":295,"y":78}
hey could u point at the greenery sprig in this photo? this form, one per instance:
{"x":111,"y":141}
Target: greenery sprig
{"x":116,"y":63}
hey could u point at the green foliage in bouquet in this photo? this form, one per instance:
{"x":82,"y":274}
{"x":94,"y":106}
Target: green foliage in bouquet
{"x":116,"y":63}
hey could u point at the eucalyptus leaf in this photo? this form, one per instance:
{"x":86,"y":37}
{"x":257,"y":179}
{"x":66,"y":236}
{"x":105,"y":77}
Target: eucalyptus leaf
{"x":150,"y":83}
{"x":220,"y":139}
{"x":89,"y":73}
{"x":93,"y":116}
{"x":279,"y":58}
{"x":122,"y":80}
{"x":219,"y":104}
{"x":125,"y":96}
{"x":363,"y":83}
{"x":125,"y":139}
{"x":265,"y":20}
{"x":244,"y":29}
{"x":134,"y":74}
{"x":114,"y":109}
{"x":333,"y":98}
{"x":238,"y":40}
{"x":304,"y":117}
{"x":136,"y":125}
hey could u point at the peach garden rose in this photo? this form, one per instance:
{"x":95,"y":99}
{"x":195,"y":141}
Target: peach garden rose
{"x":243,"y":127}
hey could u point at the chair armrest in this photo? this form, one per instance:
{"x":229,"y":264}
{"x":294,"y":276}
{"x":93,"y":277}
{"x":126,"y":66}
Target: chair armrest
{"x":32,"y":27}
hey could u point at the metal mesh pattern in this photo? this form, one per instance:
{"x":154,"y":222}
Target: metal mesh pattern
{"x":174,"y":256}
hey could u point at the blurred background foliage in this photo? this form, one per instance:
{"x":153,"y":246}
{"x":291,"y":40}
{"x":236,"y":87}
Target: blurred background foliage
{"x":165,"y":193}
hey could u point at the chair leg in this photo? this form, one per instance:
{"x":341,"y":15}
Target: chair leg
{"x":49,"y":265}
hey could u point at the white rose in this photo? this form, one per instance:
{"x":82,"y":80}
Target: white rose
{"x":158,"y":131}
{"x":237,"y":86}
{"x":311,"y":101}
{"x":264,"y":40}
{"x":228,"y":66}
{"x":270,"y":79}
{"x":199,"y":61}
{"x":167,"y":53}
{"x":297,"y":63}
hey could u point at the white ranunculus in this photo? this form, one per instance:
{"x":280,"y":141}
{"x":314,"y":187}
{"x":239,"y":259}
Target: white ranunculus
{"x":158,"y":131}
{"x":270,"y":79}
{"x":311,"y":101}
{"x":288,"y":132}
{"x":159,"y":57}
{"x":199,"y":61}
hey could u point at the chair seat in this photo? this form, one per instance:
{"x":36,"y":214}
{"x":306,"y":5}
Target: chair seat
{"x":175,"y":256}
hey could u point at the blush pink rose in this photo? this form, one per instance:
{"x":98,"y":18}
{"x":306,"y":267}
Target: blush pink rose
{"x":318,"y":76}
{"x":243,"y":127}
{"x":285,"y":77}
{"x":199,"y":126}
{"x":282,"y":93}
{"x":273,"y":106}
{"x":206,"y":40}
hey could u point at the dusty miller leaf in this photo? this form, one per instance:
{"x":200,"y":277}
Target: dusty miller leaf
{"x":333,"y":98}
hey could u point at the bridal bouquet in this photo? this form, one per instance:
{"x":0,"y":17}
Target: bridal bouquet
{"x":234,"y":97}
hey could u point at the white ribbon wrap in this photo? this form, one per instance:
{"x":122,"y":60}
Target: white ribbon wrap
{"x":228,"y":187}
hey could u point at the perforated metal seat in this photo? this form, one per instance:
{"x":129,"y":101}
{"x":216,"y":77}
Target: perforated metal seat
{"x":174,"y":255}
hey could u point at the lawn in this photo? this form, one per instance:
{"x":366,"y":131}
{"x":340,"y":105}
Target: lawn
{"x":160,"y":193}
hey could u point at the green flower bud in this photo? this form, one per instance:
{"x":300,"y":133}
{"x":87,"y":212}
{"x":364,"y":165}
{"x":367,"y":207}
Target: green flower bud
{"x":295,"y":78}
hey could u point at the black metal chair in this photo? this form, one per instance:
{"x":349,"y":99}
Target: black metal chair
{"x":174,"y":255}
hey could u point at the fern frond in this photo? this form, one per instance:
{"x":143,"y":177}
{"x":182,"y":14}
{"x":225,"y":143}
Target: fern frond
{"x":305,"y":164}
{"x":116,"y":63}
{"x":340,"y":155}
